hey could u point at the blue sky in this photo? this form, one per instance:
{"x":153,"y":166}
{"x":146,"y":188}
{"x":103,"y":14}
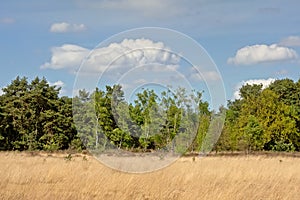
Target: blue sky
{"x":250,"y":41}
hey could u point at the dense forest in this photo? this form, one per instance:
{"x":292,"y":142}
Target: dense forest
{"x":34,"y":117}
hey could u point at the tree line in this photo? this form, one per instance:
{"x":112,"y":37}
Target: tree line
{"x":34,"y":117}
{"x":166,"y":121}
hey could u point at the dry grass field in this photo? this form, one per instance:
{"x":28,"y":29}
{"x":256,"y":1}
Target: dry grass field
{"x":51,"y":176}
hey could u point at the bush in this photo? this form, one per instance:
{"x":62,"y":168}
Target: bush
{"x":76,"y":144}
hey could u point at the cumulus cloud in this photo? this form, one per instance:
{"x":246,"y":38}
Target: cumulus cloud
{"x":291,"y":41}
{"x":265,"y":83}
{"x":119,"y":56}
{"x":64,"y":27}
{"x":66,"y":56}
{"x":262,"y":53}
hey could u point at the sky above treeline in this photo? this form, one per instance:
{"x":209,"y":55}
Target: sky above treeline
{"x":249,"y":41}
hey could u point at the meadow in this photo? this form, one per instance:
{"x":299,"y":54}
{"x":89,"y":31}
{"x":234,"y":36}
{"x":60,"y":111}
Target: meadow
{"x":80,"y":176}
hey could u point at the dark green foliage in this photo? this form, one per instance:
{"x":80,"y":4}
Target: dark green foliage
{"x":34,"y":117}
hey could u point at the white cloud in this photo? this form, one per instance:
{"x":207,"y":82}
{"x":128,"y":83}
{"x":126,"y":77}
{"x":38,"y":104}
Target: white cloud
{"x":66,"y":56}
{"x":265,"y":83}
{"x":1,"y":92}
{"x":262,"y":53}
{"x":64,"y":27}
{"x":118,"y":56}
{"x":291,"y":41}
{"x":57,"y":84}
{"x":7,"y":20}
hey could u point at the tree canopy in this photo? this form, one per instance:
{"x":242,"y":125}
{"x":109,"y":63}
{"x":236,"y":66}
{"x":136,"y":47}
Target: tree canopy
{"x":264,"y":119}
{"x":34,"y":117}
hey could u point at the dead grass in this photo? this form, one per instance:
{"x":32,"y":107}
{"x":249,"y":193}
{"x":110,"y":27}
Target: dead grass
{"x":51,"y":176}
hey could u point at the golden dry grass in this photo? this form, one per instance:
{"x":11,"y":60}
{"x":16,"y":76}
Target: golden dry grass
{"x":23,"y":176}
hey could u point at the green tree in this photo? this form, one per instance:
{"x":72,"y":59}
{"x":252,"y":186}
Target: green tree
{"x":34,"y":117}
